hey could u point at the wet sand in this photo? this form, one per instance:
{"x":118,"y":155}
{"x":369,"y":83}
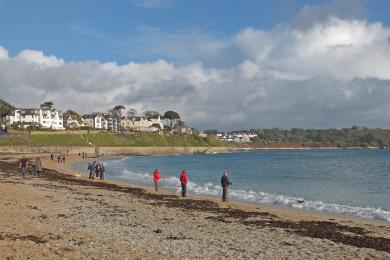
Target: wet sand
{"x":59,"y":215}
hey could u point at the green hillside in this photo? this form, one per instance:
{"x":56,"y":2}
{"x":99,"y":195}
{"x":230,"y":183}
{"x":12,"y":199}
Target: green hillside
{"x":111,"y":140}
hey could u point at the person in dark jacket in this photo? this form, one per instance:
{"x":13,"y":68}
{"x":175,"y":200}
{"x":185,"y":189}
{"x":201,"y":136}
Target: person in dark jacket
{"x":225,"y":184}
{"x":183,"y":180}
{"x":23,"y":165}
{"x":102,"y":170}
{"x":90,"y":169}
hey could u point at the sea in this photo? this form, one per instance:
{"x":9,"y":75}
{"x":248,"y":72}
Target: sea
{"x":354,"y":182}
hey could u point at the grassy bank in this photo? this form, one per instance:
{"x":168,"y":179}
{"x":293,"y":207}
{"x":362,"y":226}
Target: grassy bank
{"x":110,"y":140}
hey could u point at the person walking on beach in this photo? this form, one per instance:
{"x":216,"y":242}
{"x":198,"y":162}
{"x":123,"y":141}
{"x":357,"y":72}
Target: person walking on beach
{"x":156,"y":179}
{"x":90,"y":168}
{"x":225,"y":185}
{"x":38,"y":166}
{"x":183,"y":180}
{"x":23,"y":165}
{"x":102,"y":169}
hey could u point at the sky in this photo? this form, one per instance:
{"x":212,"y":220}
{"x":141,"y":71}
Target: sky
{"x":222,"y":64}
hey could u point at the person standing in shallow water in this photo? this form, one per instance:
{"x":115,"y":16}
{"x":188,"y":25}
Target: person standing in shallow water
{"x":156,"y":179}
{"x":225,"y":185}
{"x":183,"y":180}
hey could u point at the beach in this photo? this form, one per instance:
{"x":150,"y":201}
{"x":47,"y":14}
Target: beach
{"x":62,"y":214}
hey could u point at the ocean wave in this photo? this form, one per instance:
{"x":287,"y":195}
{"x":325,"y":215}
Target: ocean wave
{"x":172,"y":182}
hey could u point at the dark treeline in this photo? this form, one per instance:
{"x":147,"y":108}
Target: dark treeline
{"x":347,"y":137}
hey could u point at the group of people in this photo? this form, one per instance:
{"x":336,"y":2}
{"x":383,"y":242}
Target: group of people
{"x":27,"y":167}
{"x":83,"y":154}
{"x":60,"y":158}
{"x":225,"y":183}
{"x":183,"y":180}
{"x":96,"y":170}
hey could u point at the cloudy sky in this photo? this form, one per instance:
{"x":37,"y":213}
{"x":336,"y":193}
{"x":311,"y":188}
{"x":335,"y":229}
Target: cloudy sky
{"x":220,"y":64}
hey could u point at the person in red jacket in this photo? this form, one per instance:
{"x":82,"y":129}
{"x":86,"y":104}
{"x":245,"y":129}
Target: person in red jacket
{"x":183,"y":180}
{"x":156,"y":178}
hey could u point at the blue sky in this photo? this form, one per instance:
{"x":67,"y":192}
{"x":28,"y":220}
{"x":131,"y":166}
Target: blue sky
{"x":223,"y":64}
{"x":114,"y":30}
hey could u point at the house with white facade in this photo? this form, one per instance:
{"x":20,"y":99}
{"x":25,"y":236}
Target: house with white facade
{"x":237,"y":137}
{"x":72,"y":121}
{"x":47,"y":118}
{"x":111,"y":122}
{"x":94,"y":120}
{"x":142,"y":124}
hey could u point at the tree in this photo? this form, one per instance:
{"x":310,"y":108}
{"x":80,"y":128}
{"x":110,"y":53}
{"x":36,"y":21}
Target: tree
{"x":47,"y":105}
{"x":151,"y":113}
{"x":118,"y":110}
{"x":71,"y":112}
{"x":173,"y":117}
{"x":119,"y":107}
{"x":131,"y":112}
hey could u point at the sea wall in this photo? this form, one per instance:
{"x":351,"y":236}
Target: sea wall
{"x":159,"y":150}
{"x":113,"y":150}
{"x":47,"y":149}
{"x":66,"y":132}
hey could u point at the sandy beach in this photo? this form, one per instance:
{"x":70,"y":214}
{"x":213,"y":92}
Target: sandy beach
{"x":61,"y":214}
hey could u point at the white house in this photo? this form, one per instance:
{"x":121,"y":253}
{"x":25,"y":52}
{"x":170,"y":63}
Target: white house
{"x":72,"y":121}
{"x":51,"y":119}
{"x":110,"y":122}
{"x":143,"y":124}
{"x":47,"y":118}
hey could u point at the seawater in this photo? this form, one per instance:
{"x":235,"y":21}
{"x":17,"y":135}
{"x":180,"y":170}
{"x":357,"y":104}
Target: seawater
{"x":350,"y":182}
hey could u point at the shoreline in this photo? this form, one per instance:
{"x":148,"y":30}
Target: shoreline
{"x":217,"y":197}
{"x":54,"y":211}
{"x":237,"y":202}
{"x":69,"y":168}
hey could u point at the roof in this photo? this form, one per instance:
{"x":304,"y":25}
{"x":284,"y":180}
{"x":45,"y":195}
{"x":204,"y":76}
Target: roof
{"x":92,"y":116}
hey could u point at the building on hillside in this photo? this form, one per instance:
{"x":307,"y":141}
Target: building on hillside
{"x":186,"y":130}
{"x":4,"y":120}
{"x":202,"y":134}
{"x":237,"y":137}
{"x":111,"y":122}
{"x":93,"y":120}
{"x":72,"y":121}
{"x":104,"y":121}
{"x":142,"y":124}
{"x":47,"y":118}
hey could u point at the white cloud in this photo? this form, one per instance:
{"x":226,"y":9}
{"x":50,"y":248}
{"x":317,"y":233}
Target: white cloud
{"x":3,"y":53}
{"x":331,"y":74}
{"x":39,"y":59}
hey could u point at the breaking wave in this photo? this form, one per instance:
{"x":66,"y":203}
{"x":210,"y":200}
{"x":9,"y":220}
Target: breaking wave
{"x":173,"y":183}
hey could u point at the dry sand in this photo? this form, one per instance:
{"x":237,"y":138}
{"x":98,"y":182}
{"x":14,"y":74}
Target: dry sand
{"x":58,"y":215}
